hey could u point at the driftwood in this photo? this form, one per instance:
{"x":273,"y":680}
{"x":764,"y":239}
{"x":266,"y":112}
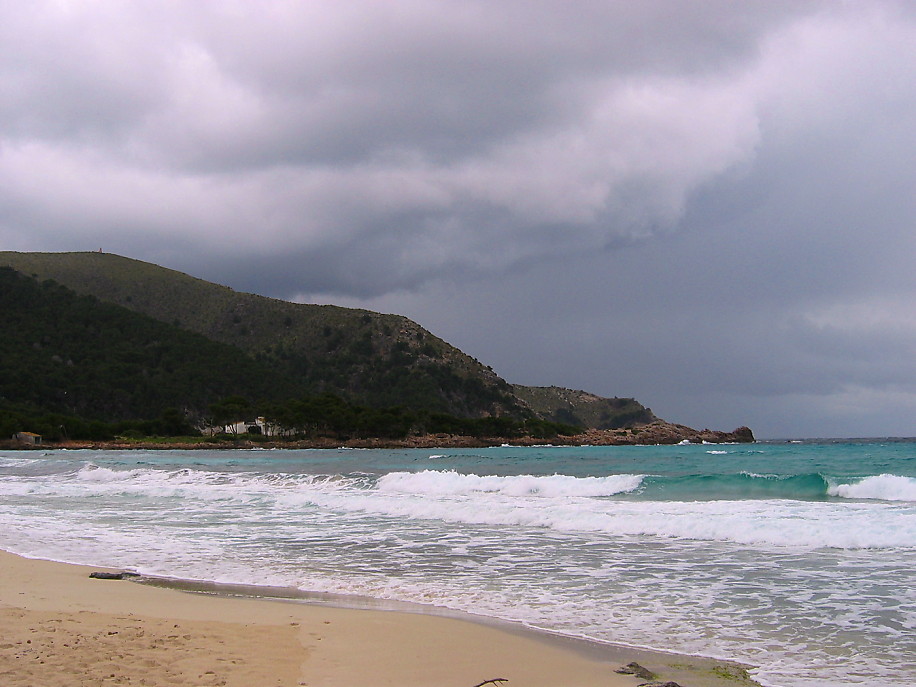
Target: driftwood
{"x":491,"y":682}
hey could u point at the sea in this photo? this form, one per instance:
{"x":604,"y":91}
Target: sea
{"x":795,"y":557}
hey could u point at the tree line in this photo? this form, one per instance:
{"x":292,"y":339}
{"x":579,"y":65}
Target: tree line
{"x":312,"y":417}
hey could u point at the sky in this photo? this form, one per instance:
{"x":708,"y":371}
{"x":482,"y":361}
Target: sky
{"x":709,"y":206}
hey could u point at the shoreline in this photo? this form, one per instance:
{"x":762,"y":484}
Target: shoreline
{"x":57,"y":623}
{"x":655,"y":433}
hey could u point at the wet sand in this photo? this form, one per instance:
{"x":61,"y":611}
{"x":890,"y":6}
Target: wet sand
{"x":60,"y":627}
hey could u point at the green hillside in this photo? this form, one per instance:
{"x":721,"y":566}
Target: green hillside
{"x":380,"y":360}
{"x":70,"y":354}
{"x":583,"y":409}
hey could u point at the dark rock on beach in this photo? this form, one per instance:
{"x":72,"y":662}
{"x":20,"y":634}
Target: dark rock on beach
{"x":112,"y":575}
{"x":634,"y":668}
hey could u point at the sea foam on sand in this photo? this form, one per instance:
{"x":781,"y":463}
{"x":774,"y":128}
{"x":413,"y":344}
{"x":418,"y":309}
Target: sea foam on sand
{"x":59,"y":627}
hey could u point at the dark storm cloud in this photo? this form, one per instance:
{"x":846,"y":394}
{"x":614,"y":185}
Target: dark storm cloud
{"x":660,"y":199}
{"x":319,"y":125}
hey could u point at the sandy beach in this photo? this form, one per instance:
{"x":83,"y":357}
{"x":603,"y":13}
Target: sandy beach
{"x":60,"y":627}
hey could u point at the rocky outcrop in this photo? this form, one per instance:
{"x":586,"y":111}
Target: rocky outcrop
{"x":661,"y":432}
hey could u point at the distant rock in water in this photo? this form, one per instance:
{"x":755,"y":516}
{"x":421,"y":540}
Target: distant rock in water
{"x":744,"y":435}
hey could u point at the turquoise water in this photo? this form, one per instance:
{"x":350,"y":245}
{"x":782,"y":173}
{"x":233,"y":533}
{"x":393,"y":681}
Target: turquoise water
{"x":794,"y":557}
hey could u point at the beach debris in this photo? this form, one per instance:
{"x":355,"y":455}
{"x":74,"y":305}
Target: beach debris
{"x":639,"y":671}
{"x":112,"y":575}
{"x":491,"y":682}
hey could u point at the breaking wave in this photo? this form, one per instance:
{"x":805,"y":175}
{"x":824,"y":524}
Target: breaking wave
{"x":454,"y":483}
{"x":882,"y":487}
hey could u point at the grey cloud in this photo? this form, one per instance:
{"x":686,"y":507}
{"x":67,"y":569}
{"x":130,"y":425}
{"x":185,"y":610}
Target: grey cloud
{"x":658,"y":199}
{"x":311,"y":125}
{"x":75,"y":74}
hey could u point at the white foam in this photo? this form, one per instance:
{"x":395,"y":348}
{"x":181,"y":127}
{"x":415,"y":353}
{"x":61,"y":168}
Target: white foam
{"x":16,"y":462}
{"x":884,"y":487}
{"x":448,"y":482}
{"x":567,"y":504}
{"x":557,"y":502}
{"x":94,"y":473}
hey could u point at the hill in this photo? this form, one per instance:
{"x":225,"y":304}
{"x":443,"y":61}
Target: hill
{"x":368,"y":357}
{"x":97,"y":335}
{"x":582,"y":409}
